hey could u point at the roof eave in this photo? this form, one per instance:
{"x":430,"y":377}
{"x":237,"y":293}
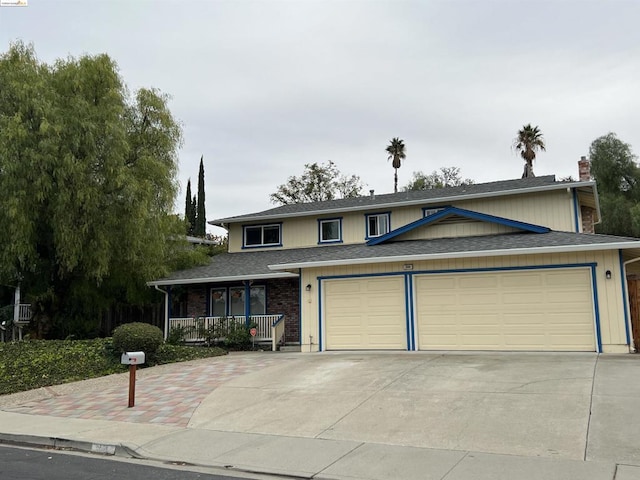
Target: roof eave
{"x":233,"y":278}
{"x":407,"y":203}
{"x":454,"y":255}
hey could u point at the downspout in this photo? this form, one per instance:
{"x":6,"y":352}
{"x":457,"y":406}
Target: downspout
{"x":575,"y":210}
{"x":627,"y":308}
{"x":166,"y":310}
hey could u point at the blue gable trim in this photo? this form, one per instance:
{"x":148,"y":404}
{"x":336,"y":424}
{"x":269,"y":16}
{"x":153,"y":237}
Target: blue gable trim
{"x":461,"y":212}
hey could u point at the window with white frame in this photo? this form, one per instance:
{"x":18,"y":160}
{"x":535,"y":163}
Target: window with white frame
{"x":431,"y":211}
{"x":330,"y":230}
{"x":262,"y":235}
{"x":377,"y":224}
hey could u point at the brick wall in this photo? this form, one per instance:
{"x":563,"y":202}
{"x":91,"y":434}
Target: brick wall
{"x":588,"y":214}
{"x":197,"y":301}
{"x":584,"y":169}
{"x":283,"y":296}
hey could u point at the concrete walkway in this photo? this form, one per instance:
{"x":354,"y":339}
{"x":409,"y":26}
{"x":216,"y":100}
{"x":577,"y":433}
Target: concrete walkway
{"x":446,"y":416}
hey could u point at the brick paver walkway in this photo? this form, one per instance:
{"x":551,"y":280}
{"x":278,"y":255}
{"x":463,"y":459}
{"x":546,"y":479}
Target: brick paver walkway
{"x":169,"y":398}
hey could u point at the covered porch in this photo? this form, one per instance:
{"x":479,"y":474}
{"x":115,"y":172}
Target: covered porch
{"x":235,"y":289}
{"x":269,"y":329}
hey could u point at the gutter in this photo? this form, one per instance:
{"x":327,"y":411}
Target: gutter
{"x":232,"y":278}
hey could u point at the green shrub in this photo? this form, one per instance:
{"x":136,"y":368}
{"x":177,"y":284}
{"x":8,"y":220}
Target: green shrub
{"x":178,"y":334}
{"x":209,"y":333}
{"x":135,"y":337}
{"x":237,"y":337}
{"x":39,"y":363}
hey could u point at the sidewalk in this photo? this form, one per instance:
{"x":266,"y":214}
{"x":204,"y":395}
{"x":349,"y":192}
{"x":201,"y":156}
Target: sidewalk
{"x":92,"y":416}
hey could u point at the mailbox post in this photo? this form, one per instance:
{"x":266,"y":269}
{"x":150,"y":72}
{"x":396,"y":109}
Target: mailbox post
{"x":133,"y":359}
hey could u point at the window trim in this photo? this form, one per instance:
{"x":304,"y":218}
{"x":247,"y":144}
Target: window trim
{"x":326,"y":220}
{"x":262,"y":226}
{"x":227,"y":294}
{"x":367,"y":236}
{"x":435,"y":210}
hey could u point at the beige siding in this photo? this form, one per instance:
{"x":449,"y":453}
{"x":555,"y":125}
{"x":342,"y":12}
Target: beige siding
{"x":611,"y":308}
{"x":551,"y":209}
{"x":235,"y":237}
{"x":453,"y":230}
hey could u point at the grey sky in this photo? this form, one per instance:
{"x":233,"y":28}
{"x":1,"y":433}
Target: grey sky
{"x":264,"y":87}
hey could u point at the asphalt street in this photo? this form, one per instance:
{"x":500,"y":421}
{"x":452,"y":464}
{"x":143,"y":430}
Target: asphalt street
{"x":34,"y":464}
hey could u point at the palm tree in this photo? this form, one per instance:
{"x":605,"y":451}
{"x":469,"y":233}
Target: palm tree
{"x":528,"y":141}
{"x":396,"y":153}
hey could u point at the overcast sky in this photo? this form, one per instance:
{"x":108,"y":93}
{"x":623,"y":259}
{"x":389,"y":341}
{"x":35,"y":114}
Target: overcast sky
{"x":263,"y":87}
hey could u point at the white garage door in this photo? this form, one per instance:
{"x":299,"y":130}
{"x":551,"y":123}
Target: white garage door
{"x":365,"y":314}
{"x":518,"y":310}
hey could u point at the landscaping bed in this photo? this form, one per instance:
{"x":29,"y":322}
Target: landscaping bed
{"x":40,"y":363}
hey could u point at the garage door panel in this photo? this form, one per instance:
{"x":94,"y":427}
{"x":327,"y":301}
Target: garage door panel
{"x":566,"y":278}
{"x":522,"y":297}
{"x":482,"y":282}
{"x":478,"y":298}
{"x":520,"y":281}
{"x":365,"y":313}
{"x":523,"y":310}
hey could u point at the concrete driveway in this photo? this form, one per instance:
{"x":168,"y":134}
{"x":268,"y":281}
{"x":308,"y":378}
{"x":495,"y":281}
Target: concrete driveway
{"x":361,"y":415}
{"x":571,"y":406}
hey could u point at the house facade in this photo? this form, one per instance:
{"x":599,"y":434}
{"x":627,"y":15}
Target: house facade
{"x":507,"y":265}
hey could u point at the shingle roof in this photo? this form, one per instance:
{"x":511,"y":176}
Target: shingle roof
{"x":397,"y":198}
{"x":257,"y":264}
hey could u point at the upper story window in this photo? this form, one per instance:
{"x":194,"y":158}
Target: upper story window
{"x":430,"y":211}
{"x":330,"y":230}
{"x":263,"y":235}
{"x":377,"y":224}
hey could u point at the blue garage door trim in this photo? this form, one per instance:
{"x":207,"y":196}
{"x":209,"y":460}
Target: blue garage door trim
{"x":410,"y":304}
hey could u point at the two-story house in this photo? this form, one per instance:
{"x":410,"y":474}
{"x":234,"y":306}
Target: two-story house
{"x":506,"y":265}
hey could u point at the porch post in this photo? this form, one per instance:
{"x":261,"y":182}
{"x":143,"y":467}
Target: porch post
{"x":16,"y":305}
{"x":247,"y":301}
{"x":16,"y":314}
{"x":167,"y":299}
{"x":167,"y":311}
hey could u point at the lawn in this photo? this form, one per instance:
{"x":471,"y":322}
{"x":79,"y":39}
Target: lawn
{"x":40,"y":363}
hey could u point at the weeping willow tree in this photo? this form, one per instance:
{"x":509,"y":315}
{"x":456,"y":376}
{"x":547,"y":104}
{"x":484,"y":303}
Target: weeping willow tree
{"x":88,"y":182}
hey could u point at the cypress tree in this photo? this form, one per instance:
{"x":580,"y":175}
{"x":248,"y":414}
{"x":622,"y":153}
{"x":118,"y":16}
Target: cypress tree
{"x":201,"y":217}
{"x":192,"y":218}
{"x":188,"y":210}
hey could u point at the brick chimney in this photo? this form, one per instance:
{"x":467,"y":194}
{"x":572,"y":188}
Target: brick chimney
{"x":584,"y":169}
{"x":587,"y":213}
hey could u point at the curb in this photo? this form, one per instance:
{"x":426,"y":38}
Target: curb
{"x":65,"y":444}
{"x":118,"y":450}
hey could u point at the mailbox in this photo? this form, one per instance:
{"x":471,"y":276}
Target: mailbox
{"x":132,"y":358}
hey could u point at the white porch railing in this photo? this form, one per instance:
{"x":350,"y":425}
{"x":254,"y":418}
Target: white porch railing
{"x":17,"y":323}
{"x":195,"y":326}
{"x":277,"y":333}
{"x":24,"y":312}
